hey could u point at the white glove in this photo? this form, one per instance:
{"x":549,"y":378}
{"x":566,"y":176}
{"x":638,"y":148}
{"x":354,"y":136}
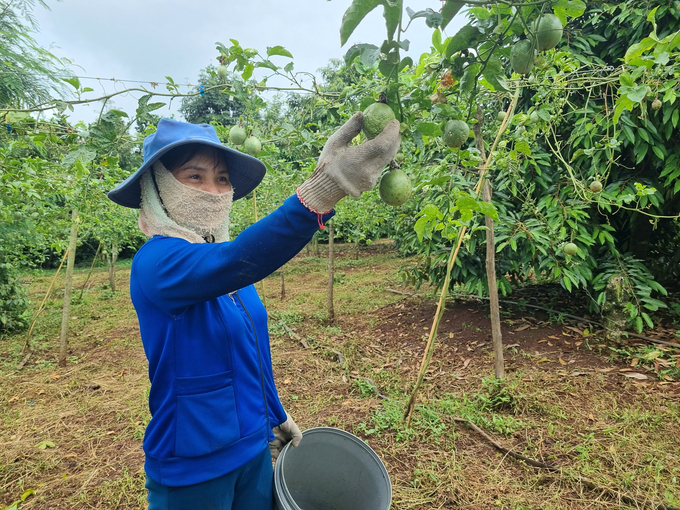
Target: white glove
{"x":345,"y":170}
{"x":288,"y":431}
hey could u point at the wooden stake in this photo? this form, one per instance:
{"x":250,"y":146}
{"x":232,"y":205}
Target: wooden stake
{"x":68,"y":286}
{"x":499,"y":362}
{"x":331,"y":310}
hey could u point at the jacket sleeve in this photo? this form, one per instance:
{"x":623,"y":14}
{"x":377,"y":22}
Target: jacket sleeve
{"x":175,"y":274}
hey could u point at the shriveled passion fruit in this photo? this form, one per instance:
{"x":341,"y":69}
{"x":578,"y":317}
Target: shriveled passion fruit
{"x":395,"y":187}
{"x":376,"y":117}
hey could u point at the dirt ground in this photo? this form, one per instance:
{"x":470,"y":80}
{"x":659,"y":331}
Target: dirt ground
{"x":608,"y":420}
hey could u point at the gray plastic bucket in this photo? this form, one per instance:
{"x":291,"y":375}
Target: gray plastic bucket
{"x":331,"y":470}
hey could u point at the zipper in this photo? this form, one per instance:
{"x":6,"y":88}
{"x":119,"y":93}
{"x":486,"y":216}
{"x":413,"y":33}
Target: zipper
{"x":259,"y":358}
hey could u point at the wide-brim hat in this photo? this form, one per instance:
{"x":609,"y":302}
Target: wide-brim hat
{"x":245,"y":171}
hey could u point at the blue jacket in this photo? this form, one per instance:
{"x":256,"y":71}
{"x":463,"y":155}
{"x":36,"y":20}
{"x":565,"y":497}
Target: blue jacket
{"x":213,"y":400}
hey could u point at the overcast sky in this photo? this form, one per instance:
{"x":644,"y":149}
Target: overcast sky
{"x":147,"y":40}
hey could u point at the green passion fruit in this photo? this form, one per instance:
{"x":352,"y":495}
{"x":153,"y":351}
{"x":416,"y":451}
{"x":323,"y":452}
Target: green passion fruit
{"x":237,"y":134}
{"x":455,"y":133}
{"x":376,"y":117}
{"x":570,"y":249}
{"x":656,"y":104}
{"x":395,"y":187}
{"x":252,"y":145}
{"x":548,"y":32}
{"x":522,"y":56}
{"x":596,"y":186}
{"x":222,"y":71}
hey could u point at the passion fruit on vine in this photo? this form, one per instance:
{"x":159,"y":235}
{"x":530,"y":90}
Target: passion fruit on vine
{"x":237,"y":134}
{"x":455,"y":133}
{"x":252,"y":145}
{"x":522,"y":56}
{"x":376,"y":117}
{"x":548,"y":32}
{"x":570,"y":249}
{"x":222,"y":71}
{"x":596,"y":186}
{"x":656,"y":104}
{"x":395,"y":187}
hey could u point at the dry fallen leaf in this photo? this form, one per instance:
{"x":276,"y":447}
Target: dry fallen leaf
{"x":635,"y":375}
{"x":626,"y":370}
{"x":522,"y":328}
{"x":591,"y":417}
{"x":576,"y":374}
{"x":634,"y":362}
{"x":466,"y":362}
{"x":550,"y":344}
{"x":13,"y":399}
{"x":55,"y":376}
{"x":450,"y":335}
{"x":344,"y":379}
{"x":562,"y":362}
{"x":543,"y":360}
{"x":288,"y":381}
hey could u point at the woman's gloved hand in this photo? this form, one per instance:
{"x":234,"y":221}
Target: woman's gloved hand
{"x":345,"y":170}
{"x":288,"y":431}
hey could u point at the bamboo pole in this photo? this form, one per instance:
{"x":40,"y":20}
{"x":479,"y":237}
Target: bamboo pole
{"x":40,"y":308}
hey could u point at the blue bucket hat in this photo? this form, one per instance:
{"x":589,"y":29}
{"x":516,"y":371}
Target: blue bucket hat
{"x":245,"y":172}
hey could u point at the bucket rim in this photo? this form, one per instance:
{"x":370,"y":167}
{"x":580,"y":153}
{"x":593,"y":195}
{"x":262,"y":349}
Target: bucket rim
{"x":280,"y":462}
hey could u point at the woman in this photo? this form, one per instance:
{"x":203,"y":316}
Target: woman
{"x":217,"y":420}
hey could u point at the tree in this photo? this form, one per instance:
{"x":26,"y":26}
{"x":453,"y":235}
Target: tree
{"x":29,"y":74}
{"x":215,"y":105}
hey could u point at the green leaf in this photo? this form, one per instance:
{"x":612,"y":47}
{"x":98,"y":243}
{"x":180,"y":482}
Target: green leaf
{"x":278,"y":50}
{"x":622,"y":103}
{"x":465,"y":38}
{"x":353,"y":16}
{"x":45,"y":444}
{"x":268,"y":64}
{"x":74,"y":81}
{"x":467,"y":82}
{"x":27,"y":493}
{"x":674,"y":118}
{"x":572,"y":8}
{"x":432,"y":19}
{"x":638,"y":93}
{"x":369,"y":53}
{"x":638,"y":49}
{"x":437,"y":40}
{"x":248,"y":71}
{"x":659,"y":153}
{"x":489,"y":210}
{"x":495,"y":74}
{"x":428,"y":129}
{"x":450,"y":9}
{"x":388,"y":69}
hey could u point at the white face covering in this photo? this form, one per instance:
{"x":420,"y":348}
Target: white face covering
{"x":172,"y":209}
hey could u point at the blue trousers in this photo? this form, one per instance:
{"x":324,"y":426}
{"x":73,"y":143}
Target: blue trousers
{"x":248,"y":488}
